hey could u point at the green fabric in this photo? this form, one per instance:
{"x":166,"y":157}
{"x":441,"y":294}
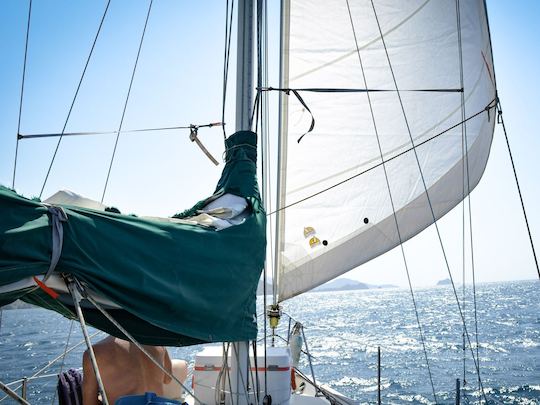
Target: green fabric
{"x":176,"y":284}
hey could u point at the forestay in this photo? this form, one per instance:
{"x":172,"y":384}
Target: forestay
{"x":169,"y":283}
{"x":336,"y":211}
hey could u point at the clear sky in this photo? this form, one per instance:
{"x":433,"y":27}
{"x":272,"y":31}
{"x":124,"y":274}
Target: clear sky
{"x":179,"y":82}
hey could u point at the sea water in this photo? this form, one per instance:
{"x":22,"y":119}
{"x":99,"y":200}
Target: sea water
{"x":344,"y":331}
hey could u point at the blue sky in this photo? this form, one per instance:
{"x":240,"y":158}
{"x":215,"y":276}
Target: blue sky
{"x":178,"y":82}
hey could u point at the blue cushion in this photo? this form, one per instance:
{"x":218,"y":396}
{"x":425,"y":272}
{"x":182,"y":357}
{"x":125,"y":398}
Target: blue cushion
{"x":146,"y":399}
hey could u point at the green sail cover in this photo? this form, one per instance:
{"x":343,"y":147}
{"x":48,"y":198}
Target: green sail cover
{"x":176,"y":284}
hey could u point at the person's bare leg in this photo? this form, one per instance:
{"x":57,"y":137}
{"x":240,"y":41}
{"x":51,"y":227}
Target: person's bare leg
{"x":172,"y":389}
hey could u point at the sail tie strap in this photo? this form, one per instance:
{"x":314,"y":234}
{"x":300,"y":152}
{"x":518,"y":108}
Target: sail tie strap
{"x":58,"y":215}
{"x":193,"y":137}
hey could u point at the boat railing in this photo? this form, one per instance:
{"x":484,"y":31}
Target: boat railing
{"x":22,"y":383}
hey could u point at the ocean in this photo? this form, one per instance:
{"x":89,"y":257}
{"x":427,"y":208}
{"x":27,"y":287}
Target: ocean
{"x":343,"y":331}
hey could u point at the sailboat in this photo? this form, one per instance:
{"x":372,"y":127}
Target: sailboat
{"x":386,"y":118}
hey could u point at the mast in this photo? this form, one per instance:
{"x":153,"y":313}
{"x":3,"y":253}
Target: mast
{"x":244,"y":64}
{"x":244,"y":104}
{"x":282,"y":140}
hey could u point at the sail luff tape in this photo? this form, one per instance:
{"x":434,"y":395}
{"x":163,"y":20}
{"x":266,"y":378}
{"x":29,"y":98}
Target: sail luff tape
{"x":58,"y":215}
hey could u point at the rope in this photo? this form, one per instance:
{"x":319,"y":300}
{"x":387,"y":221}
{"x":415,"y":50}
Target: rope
{"x":223,"y":377}
{"x":501,"y":120}
{"x":227,"y":371}
{"x":256,"y":383}
{"x":22,"y":93}
{"x":427,"y":194}
{"x":489,"y":107}
{"x":127,"y":100}
{"x":226,"y":56}
{"x":255,"y":114}
{"x":355,"y":90}
{"x":296,"y":93}
{"x":420,"y":330}
{"x":244,"y":383}
{"x":74,"y":97}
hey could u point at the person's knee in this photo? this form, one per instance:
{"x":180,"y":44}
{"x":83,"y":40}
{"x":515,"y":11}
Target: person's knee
{"x":179,"y":371}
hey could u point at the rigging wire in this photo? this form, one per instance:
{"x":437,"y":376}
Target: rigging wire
{"x":127,"y":99}
{"x":22,"y":92}
{"x":266,"y":156}
{"x":475,"y":308}
{"x":261,"y":102}
{"x":420,"y":330}
{"x":108,"y":316}
{"x":228,"y":371}
{"x":501,"y":120}
{"x":75,"y":96}
{"x":48,"y":135}
{"x":226,"y":56}
{"x":64,"y":357}
{"x":465,"y":184}
{"x":488,"y":108}
{"x":51,"y":362}
{"x":467,"y":197}
{"x":427,"y":195}
{"x":244,"y":383}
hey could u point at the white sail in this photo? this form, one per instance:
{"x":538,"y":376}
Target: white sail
{"x":333,"y":181}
